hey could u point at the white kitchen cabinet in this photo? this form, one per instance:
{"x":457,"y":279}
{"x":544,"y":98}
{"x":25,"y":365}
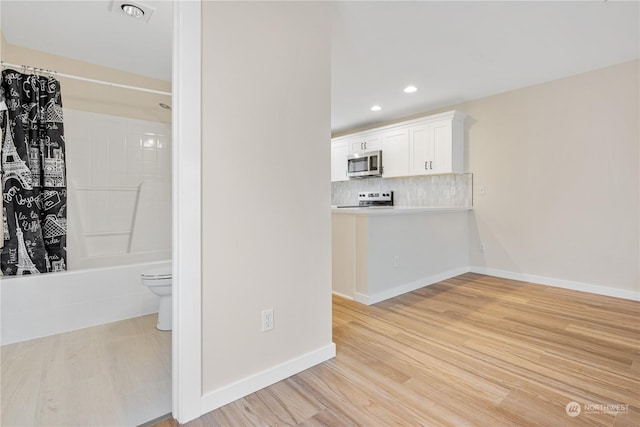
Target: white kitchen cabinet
{"x":339,"y":153}
{"x":436,"y":146}
{"x":395,"y":153}
{"x":365,"y":142}
{"x":425,"y":146}
{"x":419,"y":149}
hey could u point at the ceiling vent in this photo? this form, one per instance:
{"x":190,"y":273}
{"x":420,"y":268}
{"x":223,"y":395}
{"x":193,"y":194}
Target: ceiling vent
{"x":132,"y":9}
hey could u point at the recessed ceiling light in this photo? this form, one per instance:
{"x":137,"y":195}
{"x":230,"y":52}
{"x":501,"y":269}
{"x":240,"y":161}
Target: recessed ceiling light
{"x":132,"y":10}
{"x":410,"y":89}
{"x":135,"y":9}
{"x":376,"y":108}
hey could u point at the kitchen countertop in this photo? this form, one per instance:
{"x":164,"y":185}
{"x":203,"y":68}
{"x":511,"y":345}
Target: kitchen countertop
{"x":397,"y":210}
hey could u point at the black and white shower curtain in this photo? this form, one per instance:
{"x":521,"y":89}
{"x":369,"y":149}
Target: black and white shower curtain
{"x":34,"y":194}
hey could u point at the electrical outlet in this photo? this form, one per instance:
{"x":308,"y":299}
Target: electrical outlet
{"x":483,"y":248}
{"x":396,"y":261}
{"x":267,"y":320}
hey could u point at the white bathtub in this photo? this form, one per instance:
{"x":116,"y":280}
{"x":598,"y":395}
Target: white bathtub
{"x":107,"y":289}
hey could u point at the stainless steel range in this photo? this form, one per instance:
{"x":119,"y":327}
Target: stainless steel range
{"x":369,"y":199}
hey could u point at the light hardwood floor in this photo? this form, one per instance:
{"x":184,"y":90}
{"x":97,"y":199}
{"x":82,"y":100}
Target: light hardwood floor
{"x":117,"y":374}
{"x":470,"y":351}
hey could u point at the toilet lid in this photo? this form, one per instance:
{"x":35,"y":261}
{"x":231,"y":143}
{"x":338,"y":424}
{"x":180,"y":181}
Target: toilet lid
{"x":157,"y":273}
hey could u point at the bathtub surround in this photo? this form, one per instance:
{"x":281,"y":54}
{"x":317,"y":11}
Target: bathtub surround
{"x":421,"y":191}
{"x":115,"y":163}
{"x":34,"y":194}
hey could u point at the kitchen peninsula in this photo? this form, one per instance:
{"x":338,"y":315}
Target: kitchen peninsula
{"x":382,"y":252}
{"x":379,"y":253}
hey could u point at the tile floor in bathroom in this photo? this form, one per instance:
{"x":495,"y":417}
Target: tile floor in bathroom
{"x":117,"y":374}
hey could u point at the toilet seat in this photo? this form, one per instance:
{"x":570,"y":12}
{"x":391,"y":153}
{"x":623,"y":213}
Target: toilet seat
{"x":146,"y":276}
{"x":157,"y":273}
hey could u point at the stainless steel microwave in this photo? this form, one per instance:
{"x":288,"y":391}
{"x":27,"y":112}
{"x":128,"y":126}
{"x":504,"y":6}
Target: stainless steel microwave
{"x":364,"y":165}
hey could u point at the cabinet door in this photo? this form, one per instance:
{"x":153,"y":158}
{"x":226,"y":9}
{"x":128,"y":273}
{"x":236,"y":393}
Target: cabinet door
{"x":431,"y":148}
{"x":395,"y":153}
{"x":420,"y":150}
{"x":339,"y":152}
{"x":440,"y":137}
{"x":364,"y":143}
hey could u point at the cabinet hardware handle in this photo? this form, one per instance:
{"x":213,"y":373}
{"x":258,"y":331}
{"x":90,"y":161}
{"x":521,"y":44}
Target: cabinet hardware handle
{"x":426,"y":167}
{"x":365,"y":145}
{"x":430,"y":164}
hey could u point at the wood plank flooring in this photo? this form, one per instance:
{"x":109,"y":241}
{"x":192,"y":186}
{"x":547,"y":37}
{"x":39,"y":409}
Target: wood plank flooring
{"x":470,"y":351}
{"x":117,"y":374}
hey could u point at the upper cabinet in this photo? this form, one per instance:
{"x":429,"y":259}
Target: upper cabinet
{"x":339,"y":153}
{"x":430,"y":145}
{"x":437,"y":145}
{"x":395,"y":152}
{"x":364,"y":142}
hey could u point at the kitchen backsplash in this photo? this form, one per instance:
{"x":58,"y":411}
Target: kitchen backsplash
{"x":418,"y":191}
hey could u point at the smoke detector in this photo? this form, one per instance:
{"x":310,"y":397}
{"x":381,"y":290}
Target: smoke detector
{"x":132,"y":9}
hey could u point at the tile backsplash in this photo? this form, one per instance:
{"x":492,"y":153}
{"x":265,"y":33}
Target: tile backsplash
{"x":415,"y":191}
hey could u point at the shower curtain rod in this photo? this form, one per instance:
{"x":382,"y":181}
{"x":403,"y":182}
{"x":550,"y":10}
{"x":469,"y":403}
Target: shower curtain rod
{"x":84,"y":79}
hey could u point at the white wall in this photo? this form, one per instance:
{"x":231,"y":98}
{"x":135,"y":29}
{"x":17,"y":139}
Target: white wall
{"x":266,"y":215}
{"x":559,"y":163}
{"x":87,"y":96}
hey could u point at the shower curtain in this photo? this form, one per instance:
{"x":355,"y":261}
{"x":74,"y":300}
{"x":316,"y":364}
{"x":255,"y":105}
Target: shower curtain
{"x":34,"y":194}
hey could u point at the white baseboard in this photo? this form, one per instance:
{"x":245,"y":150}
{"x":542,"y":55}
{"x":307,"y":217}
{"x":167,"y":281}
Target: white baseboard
{"x":361,"y":298}
{"x":549,"y":281}
{"x":408,"y":287}
{"x":342,"y":295}
{"x":559,"y":283}
{"x":227,"y":394}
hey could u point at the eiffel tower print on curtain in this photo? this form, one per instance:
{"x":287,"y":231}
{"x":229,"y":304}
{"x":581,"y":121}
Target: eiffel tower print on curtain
{"x":33,"y":175}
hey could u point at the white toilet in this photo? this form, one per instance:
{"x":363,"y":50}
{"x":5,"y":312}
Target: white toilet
{"x":159,"y":282}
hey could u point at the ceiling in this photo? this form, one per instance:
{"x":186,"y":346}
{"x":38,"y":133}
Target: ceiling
{"x":94,"y":31}
{"x":451,"y":51}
